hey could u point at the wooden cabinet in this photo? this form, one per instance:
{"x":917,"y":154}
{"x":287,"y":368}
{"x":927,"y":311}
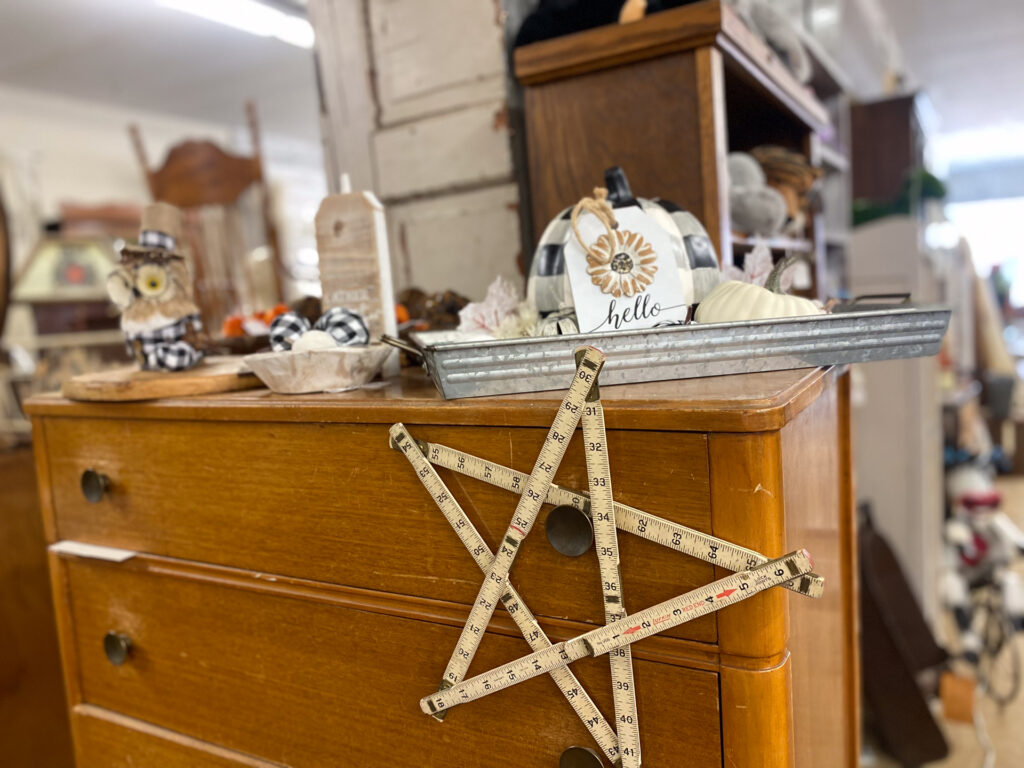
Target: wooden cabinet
{"x":293,"y":590}
{"x":891,"y":141}
{"x":666,"y":98}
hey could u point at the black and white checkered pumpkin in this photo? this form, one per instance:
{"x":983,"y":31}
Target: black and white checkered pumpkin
{"x":346,"y":327}
{"x":548,"y":285}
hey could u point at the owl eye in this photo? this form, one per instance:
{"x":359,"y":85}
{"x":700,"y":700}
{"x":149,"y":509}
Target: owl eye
{"x":151,"y":280}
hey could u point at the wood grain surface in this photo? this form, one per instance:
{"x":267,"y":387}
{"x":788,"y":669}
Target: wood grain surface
{"x":308,"y":684}
{"x":747,"y":508}
{"x":849,"y":570}
{"x":213,"y":374}
{"x":743,"y":403}
{"x":815,"y":515}
{"x":714,"y":147}
{"x":105,"y":739}
{"x":33,"y":714}
{"x":335,"y":503}
{"x":757,"y":719}
{"x":578,"y":127}
{"x":613,"y":45}
{"x":691,"y":27}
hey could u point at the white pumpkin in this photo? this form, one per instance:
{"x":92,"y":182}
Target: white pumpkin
{"x":548,"y":288}
{"x":737,"y":301}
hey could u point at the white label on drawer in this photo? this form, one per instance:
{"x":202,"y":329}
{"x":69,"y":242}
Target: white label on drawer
{"x":92,"y":551}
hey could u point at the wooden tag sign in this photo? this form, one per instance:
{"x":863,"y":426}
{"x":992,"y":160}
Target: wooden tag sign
{"x":355,"y":265}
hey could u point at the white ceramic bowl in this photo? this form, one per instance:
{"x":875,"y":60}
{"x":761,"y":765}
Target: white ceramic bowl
{"x":319,"y":370}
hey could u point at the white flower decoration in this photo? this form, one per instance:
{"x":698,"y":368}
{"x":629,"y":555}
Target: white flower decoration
{"x":623,"y":268}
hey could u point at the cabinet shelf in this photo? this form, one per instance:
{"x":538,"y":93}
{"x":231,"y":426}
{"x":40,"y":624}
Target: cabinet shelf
{"x":774,"y":243}
{"x":833,"y":159}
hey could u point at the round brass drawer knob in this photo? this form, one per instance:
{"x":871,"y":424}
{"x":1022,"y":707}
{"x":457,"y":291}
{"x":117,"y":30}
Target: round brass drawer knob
{"x":94,"y":485}
{"x":569,"y":531}
{"x":579,"y":757}
{"x":117,"y":647}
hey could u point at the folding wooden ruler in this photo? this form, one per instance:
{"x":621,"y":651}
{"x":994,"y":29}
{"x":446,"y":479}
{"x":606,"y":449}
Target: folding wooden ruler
{"x":471,"y":539}
{"x":671,"y":613}
{"x":582,"y":400}
{"x":525,"y":516}
{"x":688,"y":541}
{"x":602,"y":507}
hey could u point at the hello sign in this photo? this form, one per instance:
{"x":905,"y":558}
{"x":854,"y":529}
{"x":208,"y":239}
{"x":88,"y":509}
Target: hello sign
{"x":626,"y":279}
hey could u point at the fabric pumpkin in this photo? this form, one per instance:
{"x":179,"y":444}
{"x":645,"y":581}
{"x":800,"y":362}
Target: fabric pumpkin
{"x":548,"y":283}
{"x":734,"y":300}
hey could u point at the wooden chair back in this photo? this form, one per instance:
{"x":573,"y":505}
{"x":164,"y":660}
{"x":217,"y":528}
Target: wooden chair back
{"x":200,"y":173}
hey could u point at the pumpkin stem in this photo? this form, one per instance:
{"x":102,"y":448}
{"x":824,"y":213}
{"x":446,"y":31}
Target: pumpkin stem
{"x":774,"y":281}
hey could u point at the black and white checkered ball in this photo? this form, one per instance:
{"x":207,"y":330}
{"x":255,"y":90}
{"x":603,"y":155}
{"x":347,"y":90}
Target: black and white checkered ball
{"x":346,"y":327}
{"x":548,"y":284}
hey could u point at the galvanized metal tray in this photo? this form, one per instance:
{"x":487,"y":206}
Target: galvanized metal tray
{"x":501,"y":367}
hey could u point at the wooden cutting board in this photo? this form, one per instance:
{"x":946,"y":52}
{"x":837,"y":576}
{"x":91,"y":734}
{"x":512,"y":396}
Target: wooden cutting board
{"x":213,"y":374}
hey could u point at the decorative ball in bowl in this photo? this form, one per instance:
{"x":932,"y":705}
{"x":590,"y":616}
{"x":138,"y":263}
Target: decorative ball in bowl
{"x":331,"y":354}
{"x":319,"y":370}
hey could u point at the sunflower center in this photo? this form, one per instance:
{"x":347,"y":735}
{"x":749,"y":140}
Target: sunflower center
{"x":622,"y":263}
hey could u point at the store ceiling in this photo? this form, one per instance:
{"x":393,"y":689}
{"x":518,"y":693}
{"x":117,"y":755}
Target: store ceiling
{"x":968,"y":56}
{"x":133,"y":53}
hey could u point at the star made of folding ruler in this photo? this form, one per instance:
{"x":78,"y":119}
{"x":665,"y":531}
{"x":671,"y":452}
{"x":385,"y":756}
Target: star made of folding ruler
{"x":753,"y":572}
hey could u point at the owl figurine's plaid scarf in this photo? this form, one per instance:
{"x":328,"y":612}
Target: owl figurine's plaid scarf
{"x":168,"y":348}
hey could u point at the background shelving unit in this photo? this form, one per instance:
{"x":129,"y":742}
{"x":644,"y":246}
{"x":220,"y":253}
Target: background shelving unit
{"x":743,"y":243}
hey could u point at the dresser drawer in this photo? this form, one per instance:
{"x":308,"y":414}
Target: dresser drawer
{"x":334,"y":503}
{"x":311,"y":683}
{"x":105,"y":739}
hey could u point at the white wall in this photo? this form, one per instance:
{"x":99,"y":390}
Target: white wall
{"x":77,"y":151}
{"x":55,"y":149}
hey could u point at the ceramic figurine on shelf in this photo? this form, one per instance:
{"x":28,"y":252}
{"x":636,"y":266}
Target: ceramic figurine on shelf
{"x":792,"y":174}
{"x":755,"y":207}
{"x":152,"y":287}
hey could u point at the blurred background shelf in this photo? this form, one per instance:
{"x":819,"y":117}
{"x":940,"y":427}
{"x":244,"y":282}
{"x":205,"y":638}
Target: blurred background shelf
{"x":742,"y":242}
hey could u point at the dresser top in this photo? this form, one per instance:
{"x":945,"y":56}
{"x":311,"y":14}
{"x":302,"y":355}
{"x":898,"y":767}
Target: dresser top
{"x":743,"y":403}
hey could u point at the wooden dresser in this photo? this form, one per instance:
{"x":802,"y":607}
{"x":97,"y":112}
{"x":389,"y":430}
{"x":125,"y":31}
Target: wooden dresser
{"x":295,"y":591}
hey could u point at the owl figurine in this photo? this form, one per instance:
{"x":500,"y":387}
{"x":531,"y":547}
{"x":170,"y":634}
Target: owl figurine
{"x":161,"y":322}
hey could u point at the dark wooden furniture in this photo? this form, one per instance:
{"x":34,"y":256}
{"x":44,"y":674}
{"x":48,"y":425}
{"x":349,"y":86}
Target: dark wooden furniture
{"x":666,"y":98}
{"x":288,"y":557}
{"x":200,"y":173}
{"x":891,"y":143}
{"x":34,"y":729}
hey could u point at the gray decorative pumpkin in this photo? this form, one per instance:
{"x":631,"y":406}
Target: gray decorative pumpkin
{"x":548,"y":284}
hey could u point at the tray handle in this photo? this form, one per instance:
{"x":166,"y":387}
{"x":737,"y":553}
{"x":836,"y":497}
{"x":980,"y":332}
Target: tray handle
{"x":405,"y":346}
{"x":895,"y":298}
